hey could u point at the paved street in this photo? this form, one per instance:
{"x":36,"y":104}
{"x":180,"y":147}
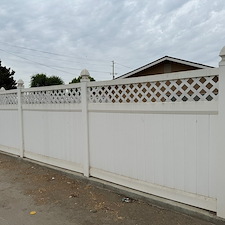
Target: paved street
{"x":59,"y":198}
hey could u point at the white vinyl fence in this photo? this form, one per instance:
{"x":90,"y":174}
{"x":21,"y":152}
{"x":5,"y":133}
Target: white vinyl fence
{"x":160,"y":134}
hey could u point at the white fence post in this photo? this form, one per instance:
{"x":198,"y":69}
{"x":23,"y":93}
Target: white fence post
{"x":221,"y":144}
{"x":84,"y":101}
{"x":20,"y":113}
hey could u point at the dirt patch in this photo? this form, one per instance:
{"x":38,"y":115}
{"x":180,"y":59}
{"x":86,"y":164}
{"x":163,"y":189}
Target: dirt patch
{"x":76,"y":201}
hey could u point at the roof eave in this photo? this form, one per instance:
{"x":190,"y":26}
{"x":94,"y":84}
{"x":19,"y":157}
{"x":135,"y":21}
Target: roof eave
{"x":198,"y":65}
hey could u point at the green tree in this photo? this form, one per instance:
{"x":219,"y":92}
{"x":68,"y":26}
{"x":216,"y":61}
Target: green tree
{"x":77,"y":80}
{"x":6,"y":78}
{"x":39,"y":80}
{"x":54,"y":80}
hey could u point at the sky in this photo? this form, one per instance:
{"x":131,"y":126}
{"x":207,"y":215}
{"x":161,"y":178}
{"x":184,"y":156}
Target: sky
{"x":61,"y":38}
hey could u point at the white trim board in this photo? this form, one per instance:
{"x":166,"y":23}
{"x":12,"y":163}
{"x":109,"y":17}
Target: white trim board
{"x":195,"y":200}
{"x":54,"y":161}
{"x":11,"y":150}
{"x":201,"y":107}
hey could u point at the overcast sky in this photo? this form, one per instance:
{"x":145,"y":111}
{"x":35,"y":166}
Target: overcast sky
{"x":91,"y":33}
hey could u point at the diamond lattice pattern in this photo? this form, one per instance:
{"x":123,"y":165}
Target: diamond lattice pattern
{"x":8,"y":99}
{"x":180,"y":90}
{"x":70,"y":95}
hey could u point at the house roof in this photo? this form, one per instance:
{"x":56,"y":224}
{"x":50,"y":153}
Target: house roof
{"x":161,"y":60}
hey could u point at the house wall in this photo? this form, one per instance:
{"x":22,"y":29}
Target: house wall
{"x":164,"y":67}
{"x":155,"y":134}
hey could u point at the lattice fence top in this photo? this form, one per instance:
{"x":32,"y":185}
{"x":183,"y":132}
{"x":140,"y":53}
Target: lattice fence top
{"x":179,"y":90}
{"x":67,"y":95}
{"x":8,"y":99}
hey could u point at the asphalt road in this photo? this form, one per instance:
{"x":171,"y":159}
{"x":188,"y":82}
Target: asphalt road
{"x":63,"y":199}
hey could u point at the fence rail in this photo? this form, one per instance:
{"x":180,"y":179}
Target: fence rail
{"x":170,"y":89}
{"x":157,"y":134}
{"x":188,"y":89}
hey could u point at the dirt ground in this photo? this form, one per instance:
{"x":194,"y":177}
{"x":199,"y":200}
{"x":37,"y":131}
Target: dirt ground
{"x":62,"y":199}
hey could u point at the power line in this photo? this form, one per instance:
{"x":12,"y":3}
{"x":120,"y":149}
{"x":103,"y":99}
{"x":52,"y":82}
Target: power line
{"x":80,"y":69}
{"x":52,"y":67}
{"x":57,"y":54}
{"x":51,"y":53}
{"x":34,"y":61}
{"x":55,"y":59}
{"x":123,"y":65}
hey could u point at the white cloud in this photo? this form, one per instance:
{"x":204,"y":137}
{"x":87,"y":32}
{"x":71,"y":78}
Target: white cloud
{"x":130,"y":32}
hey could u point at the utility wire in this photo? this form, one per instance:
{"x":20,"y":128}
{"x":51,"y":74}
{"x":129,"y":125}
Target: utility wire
{"x":51,"y":53}
{"x":80,"y":69}
{"x":55,"y":59}
{"x":123,"y":65}
{"x":34,"y":61}
{"x":52,"y":67}
{"x":57,"y":54}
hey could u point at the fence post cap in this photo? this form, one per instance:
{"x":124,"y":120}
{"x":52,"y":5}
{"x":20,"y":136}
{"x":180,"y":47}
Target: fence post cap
{"x":85,"y":75}
{"x":222,"y":52}
{"x":222,"y":55}
{"x":20,"y":83}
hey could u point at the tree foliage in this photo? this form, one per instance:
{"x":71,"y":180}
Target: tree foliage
{"x":39,"y":80}
{"x":54,"y":80}
{"x":77,"y":80}
{"x":6,"y":78}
